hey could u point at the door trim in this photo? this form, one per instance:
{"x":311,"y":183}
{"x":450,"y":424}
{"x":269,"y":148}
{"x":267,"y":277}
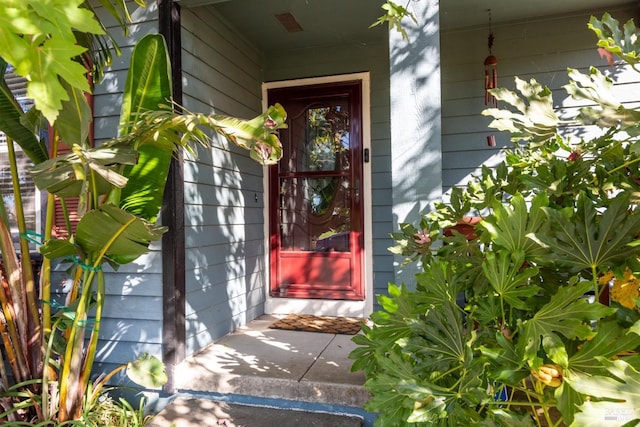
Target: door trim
{"x":321,"y":306}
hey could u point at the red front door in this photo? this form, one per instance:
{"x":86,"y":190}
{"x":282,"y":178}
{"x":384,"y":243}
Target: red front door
{"x":315,"y":194}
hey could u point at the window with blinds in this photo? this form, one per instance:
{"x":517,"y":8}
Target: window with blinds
{"x":30,"y":195}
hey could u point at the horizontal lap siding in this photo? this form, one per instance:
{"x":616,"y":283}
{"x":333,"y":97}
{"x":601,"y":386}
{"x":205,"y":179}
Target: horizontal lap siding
{"x":541,"y":49}
{"x":225,"y":278}
{"x":132,"y":318}
{"x":344,"y":59}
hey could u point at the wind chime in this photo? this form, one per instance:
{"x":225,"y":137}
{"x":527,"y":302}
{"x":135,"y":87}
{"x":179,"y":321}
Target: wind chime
{"x":490,"y":71}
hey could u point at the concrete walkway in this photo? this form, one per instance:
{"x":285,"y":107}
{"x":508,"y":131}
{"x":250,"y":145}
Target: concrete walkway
{"x":280,"y":366}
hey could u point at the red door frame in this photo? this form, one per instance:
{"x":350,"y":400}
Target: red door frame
{"x":315,"y":261}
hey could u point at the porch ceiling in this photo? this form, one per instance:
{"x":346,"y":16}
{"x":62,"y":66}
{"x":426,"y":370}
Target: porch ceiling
{"x":331,"y":22}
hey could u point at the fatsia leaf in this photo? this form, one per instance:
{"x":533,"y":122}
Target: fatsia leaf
{"x":438,"y":284}
{"x":620,"y":390}
{"x":507,"y":366}
{"x":385,"y":399}
{"x":568,"y":401}
{"x":147,"y":371}
{"x":535,"y":121}
{"x":598,"y":88}
{"x":510,"y":226}
{"x":444,"y":341}
{"x":121,"y":236}
{"x":569,"y":314}
{"x":610,"y":340}
{"x":623,"y":42}
{"x":507,"y":277}
{"x":588,"y":239}
{"x":393,"y":324}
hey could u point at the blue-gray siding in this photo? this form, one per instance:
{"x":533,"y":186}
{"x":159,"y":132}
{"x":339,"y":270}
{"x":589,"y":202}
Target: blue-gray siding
{"x":225,"y":279}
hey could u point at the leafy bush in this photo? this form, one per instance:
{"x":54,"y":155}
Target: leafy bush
{"x":534,"y":317}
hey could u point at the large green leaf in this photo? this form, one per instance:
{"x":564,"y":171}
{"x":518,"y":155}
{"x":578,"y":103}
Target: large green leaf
{"x":438,"y":284}
{"x":55,"y":248}
{"x":167,"y":130}
{"x":596,"y":88}
{"x":568,"y":401}
{"x":568,"y":314}
{"x":610,"y":340}
{"x":148,"y":86}
{"x":535,"y":120}
{"x":256,"y":135}
{"x":394,"y":407}
{"x":399,"y":308}
{"x":441,"y":341}
{"x":510,"y":226}
{"x":508,"y":279}
{"x":148,"y":82}
{"x":147,"y":371}
{"x":121,"y":236}
{"x":37,"y":37}
{"x":507,"y":366}
{"x":67,"y":175}
{"x":584,"y":238}
{"x":620,"y":391}
{"x":10,"y":122}
{"x":624,"y":42}
{"x":74,"y":121}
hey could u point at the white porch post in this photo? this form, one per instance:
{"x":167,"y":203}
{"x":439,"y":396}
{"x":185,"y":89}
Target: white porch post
{"x":416,"y":155}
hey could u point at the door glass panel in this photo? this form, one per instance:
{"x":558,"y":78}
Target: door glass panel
{"x":320,"y":139}
{"x":315,"y":214}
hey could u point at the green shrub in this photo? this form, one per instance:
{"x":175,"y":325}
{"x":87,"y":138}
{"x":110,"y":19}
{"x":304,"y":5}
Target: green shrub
{"x":515,"y":325}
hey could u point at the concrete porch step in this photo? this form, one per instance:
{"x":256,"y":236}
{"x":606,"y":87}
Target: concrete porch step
{"x":202,"y":412}
{"x":270,"y":363}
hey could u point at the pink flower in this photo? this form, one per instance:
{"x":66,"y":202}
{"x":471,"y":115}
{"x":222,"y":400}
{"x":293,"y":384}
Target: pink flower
{"x":422,"y":237}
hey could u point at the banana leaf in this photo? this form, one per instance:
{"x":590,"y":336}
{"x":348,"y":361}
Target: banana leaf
{"x":66,"y":174}
{"x":11,"y":124}
{"x":74,"y":121}
{"x":119,"y":235}
{"x":148,"y":86}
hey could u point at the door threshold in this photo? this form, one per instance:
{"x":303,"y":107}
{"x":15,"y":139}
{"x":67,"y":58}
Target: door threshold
{"x":318,"y":307}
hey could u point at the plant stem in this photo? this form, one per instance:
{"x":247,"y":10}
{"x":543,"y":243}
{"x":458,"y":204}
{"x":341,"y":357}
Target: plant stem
{"x":32,"y":326}
{"x":623,"y":166}
{"x":539,"y":386}
{"x":45,"y":272}
{"x":535,"y":413}
{"x":598,"y":289}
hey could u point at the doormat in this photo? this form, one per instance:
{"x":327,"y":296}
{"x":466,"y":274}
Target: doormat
{"x":324,"y":324}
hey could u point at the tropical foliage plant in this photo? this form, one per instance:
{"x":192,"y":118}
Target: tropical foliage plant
{"x":48,"y":345}
{"x":533,"y":318}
